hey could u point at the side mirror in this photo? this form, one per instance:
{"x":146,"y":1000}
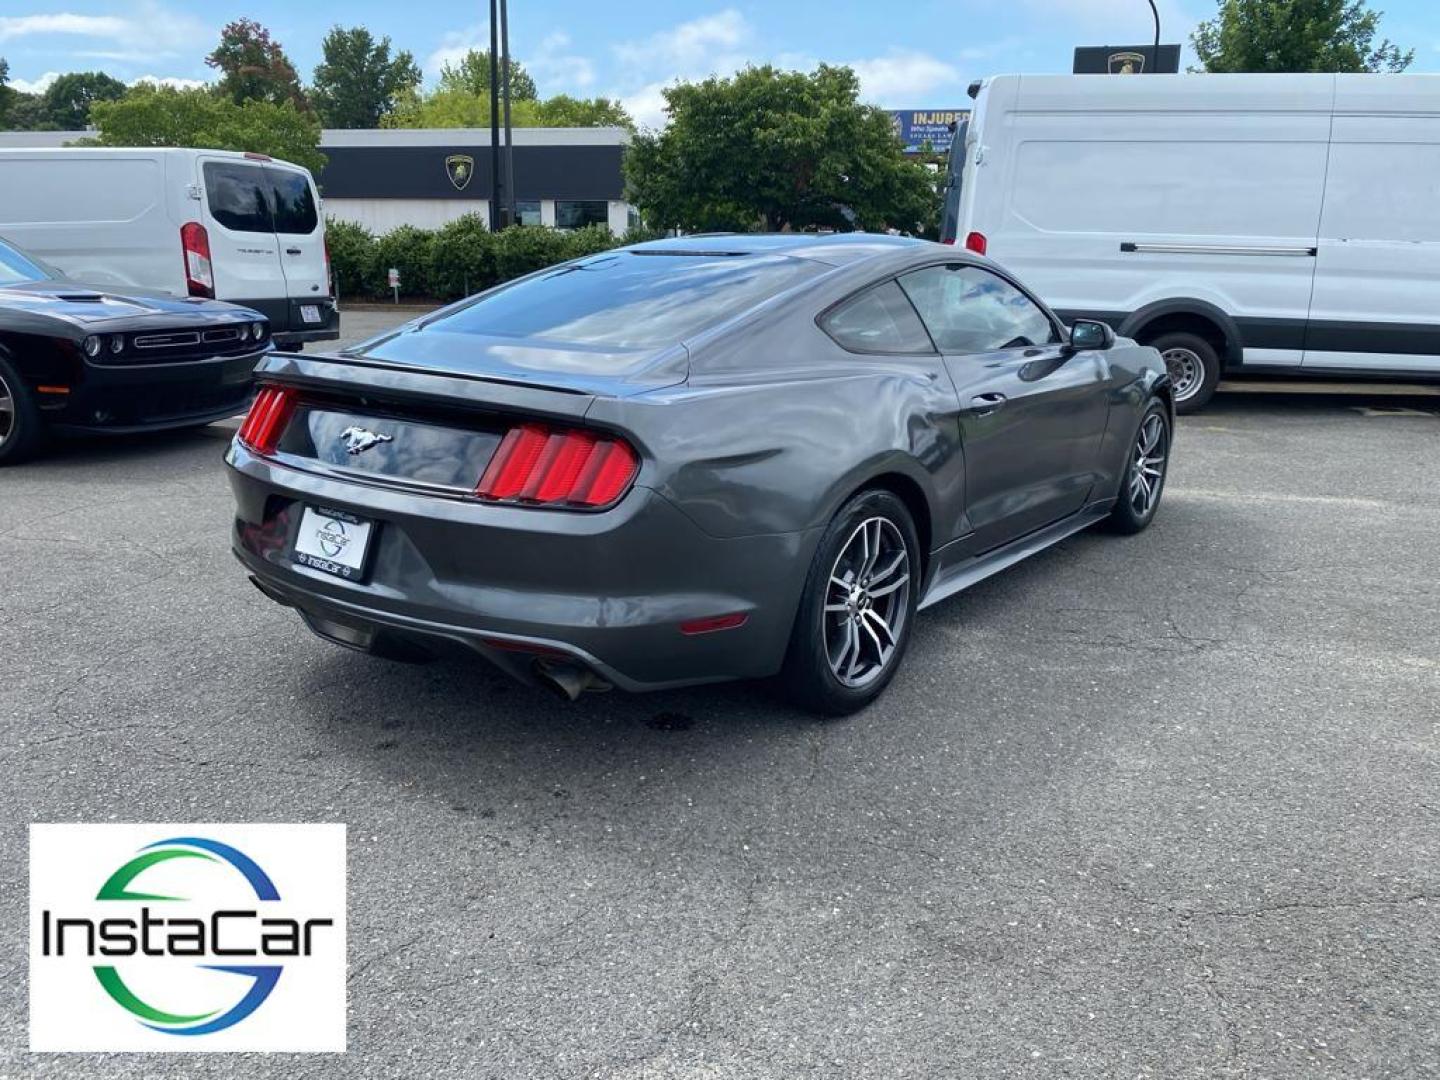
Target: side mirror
{"x":1090,"y":334}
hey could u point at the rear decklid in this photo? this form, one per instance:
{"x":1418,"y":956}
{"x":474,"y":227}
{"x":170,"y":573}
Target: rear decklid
{"x":613,"y":323}
{"x":429,"y":404}
{"x":564,"y":365}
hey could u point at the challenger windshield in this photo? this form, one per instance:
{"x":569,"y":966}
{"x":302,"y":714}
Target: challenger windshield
{"x":16,"y":268}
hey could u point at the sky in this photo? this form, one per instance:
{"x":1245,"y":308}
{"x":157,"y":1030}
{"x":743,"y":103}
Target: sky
{"x":918,"y":54}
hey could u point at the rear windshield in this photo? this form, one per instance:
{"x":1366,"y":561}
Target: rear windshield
{"x":254,"y":198}
{"x":624,"y":299}
{"x":15,"y":268}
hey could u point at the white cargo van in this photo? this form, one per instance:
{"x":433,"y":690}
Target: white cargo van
{"x":1241,"y":224}
{"x":213,"y":223}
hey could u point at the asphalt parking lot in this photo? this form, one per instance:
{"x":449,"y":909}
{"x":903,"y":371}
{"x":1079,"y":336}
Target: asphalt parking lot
{"x":1160,"y":807}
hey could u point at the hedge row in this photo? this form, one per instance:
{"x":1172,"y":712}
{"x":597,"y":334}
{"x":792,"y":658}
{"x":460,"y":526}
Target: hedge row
{"x":459,"y":259}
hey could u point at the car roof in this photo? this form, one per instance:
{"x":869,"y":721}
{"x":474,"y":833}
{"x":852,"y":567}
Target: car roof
{"x":837,"y":249}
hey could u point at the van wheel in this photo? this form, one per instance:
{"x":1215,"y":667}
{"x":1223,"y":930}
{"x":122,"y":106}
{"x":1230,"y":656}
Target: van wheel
{"x":20,"y":430}
{"x":1194,"y":368}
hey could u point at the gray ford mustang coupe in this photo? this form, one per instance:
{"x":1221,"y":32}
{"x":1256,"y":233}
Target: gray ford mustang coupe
{"x":713,"y":457}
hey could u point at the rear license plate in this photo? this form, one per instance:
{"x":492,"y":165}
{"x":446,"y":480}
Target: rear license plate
{"x":333,"y":542}
{"x":310,"y":313}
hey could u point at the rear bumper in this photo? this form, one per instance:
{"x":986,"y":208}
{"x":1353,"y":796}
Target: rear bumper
{"x":287,"y":324}
{"x":298,"y":337}
{"x":607,"y":591}
{"x":122,"y":399}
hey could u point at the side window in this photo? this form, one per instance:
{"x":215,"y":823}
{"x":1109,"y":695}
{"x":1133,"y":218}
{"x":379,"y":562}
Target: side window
{"x":970,"y":310}
{"x":293,"y":200}
{"x":239,"y":197}
{"x":879,"y":320}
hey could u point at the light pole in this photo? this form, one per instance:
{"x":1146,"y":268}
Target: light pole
{"x":1155,"y":50}
{"x":494,"y":118}
{"x":509,"y":218}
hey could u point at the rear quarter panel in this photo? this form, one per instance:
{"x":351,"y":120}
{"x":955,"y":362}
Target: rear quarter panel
{"x":777,"y":426}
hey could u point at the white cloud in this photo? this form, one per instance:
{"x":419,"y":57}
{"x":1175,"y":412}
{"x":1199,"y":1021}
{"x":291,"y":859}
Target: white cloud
{"x":647,"y":105}
{"x":557,"y":68}
{"x":173,"y":81}
{"x":719,"y":44}
{"x":453,"y":47}
{"x":903,"y":78}
{"x":34,"y":86}
{"x":149,"y":29}
{"x":699,"y":47}
{"x":18,"y":26}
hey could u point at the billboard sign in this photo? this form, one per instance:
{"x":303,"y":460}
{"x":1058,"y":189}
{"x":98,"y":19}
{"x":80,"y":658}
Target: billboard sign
{"x":917,"y":127}
{"x":1126,"y":60}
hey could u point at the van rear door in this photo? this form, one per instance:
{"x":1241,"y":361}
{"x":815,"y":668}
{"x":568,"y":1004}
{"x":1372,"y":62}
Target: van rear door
{"x":954,"y":184}
{"x":301,"y":239}
{"x":1374,"y":307}
{"x":244,"y":250}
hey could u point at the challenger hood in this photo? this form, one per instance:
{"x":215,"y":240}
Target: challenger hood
{"x":86,"y":306}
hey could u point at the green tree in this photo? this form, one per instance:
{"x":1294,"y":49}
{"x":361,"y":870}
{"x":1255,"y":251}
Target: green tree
{"x":6,"y":94}
{"x":68,"y":98}
{"x":358,"y":82}
{"x":772,"y":150}
{"x":562,"y":110}
{"x":254,"y":67}
{"x":27,"y":112}
{"x":464,"y":108}
{"x":161,"y":116}
{"x":1296,"y":35}
{"x":472,"y":73}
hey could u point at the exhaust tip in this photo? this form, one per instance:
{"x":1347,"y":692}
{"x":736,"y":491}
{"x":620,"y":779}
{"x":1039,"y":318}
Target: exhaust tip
{"x":568,"y":681}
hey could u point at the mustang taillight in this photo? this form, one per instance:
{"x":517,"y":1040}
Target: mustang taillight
{"x":543,"y":466}
{"x":265,"y":423}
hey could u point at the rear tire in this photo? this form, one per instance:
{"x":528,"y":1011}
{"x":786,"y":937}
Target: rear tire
{"x":1146,"y":468}
{"x":1193,"y":366}
{"x":858,"y":604}
{"x":21,"y":428}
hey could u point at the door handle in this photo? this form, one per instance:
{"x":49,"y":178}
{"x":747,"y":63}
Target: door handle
{"x":985,"y":404}
{"x":292,"y":251}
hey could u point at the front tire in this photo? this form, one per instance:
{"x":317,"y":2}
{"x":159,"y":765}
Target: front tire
{"x":21,"y":431}
{"x":1145,"y":472}
{"x":1194,"y":368}
{"x":859,"y":602}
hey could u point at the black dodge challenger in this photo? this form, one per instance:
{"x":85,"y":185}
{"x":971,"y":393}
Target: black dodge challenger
{"x":74,"y":359}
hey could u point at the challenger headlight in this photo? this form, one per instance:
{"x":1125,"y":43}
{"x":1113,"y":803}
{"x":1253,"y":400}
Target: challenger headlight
{"x":117,"y":343}
{"x":92,"y":346}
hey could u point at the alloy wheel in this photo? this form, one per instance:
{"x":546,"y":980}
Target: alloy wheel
{"x":1147,"y":467}
{"x":1187,"y":372}
{"x":7,"y":411}
{"x":867,"y":602}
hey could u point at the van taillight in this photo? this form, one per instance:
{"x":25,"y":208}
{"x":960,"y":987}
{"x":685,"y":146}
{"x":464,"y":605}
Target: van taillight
{"x":199,"y":275}
{"x":976,"y":242}
{"x":266,"y":420}
{"x":540,"y":466}
{"x":329,"y":281}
